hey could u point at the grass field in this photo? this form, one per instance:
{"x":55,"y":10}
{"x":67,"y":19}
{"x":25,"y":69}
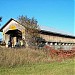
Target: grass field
{"x":54,"y":68}
{"x":33,"y":62}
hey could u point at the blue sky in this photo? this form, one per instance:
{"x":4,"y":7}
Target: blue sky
{"x":56,"y":14}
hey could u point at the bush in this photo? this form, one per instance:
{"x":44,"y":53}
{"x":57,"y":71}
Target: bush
{"x":40,"y":41}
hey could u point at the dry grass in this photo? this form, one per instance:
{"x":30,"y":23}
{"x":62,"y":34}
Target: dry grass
{"x":12,"y":57}
{"x":28,"y":61}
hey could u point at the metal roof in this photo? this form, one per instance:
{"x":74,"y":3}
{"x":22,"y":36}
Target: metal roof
{"x":42,"y":31}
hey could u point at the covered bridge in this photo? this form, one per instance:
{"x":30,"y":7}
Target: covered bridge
{"x":14,"y":31}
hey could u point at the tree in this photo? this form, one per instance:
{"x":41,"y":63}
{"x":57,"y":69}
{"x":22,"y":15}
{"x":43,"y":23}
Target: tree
{"x":0,"y":20}
{"x":31,"y":29}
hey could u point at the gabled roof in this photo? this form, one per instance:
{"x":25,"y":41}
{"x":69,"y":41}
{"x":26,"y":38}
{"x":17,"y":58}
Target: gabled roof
{"x":8,"y":23}
{"x":42,"y":31}
{"x":56,"y":34}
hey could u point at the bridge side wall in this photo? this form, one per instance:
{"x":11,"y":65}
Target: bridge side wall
{"x":57,"y":38}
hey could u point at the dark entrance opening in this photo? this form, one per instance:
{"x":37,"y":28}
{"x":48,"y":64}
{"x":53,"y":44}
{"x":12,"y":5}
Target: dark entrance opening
{"x":14,"y":33}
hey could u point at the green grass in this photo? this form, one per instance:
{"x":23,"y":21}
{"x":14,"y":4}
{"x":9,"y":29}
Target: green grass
{"x":54,"y":68}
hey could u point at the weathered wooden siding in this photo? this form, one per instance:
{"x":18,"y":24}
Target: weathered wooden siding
{"x":57,"y":38}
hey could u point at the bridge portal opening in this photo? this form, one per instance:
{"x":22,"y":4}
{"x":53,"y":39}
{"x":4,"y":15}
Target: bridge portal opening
{"x":14,"y":36}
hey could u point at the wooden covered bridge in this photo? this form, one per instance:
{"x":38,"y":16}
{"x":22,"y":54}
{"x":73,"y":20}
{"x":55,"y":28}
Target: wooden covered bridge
{"x":14,"y":31}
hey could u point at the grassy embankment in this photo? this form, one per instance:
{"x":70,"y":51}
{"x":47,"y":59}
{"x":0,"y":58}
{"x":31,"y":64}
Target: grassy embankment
{"x":32,"y":62}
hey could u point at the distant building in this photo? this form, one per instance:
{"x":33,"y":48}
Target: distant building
{"x":14,"y":32}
